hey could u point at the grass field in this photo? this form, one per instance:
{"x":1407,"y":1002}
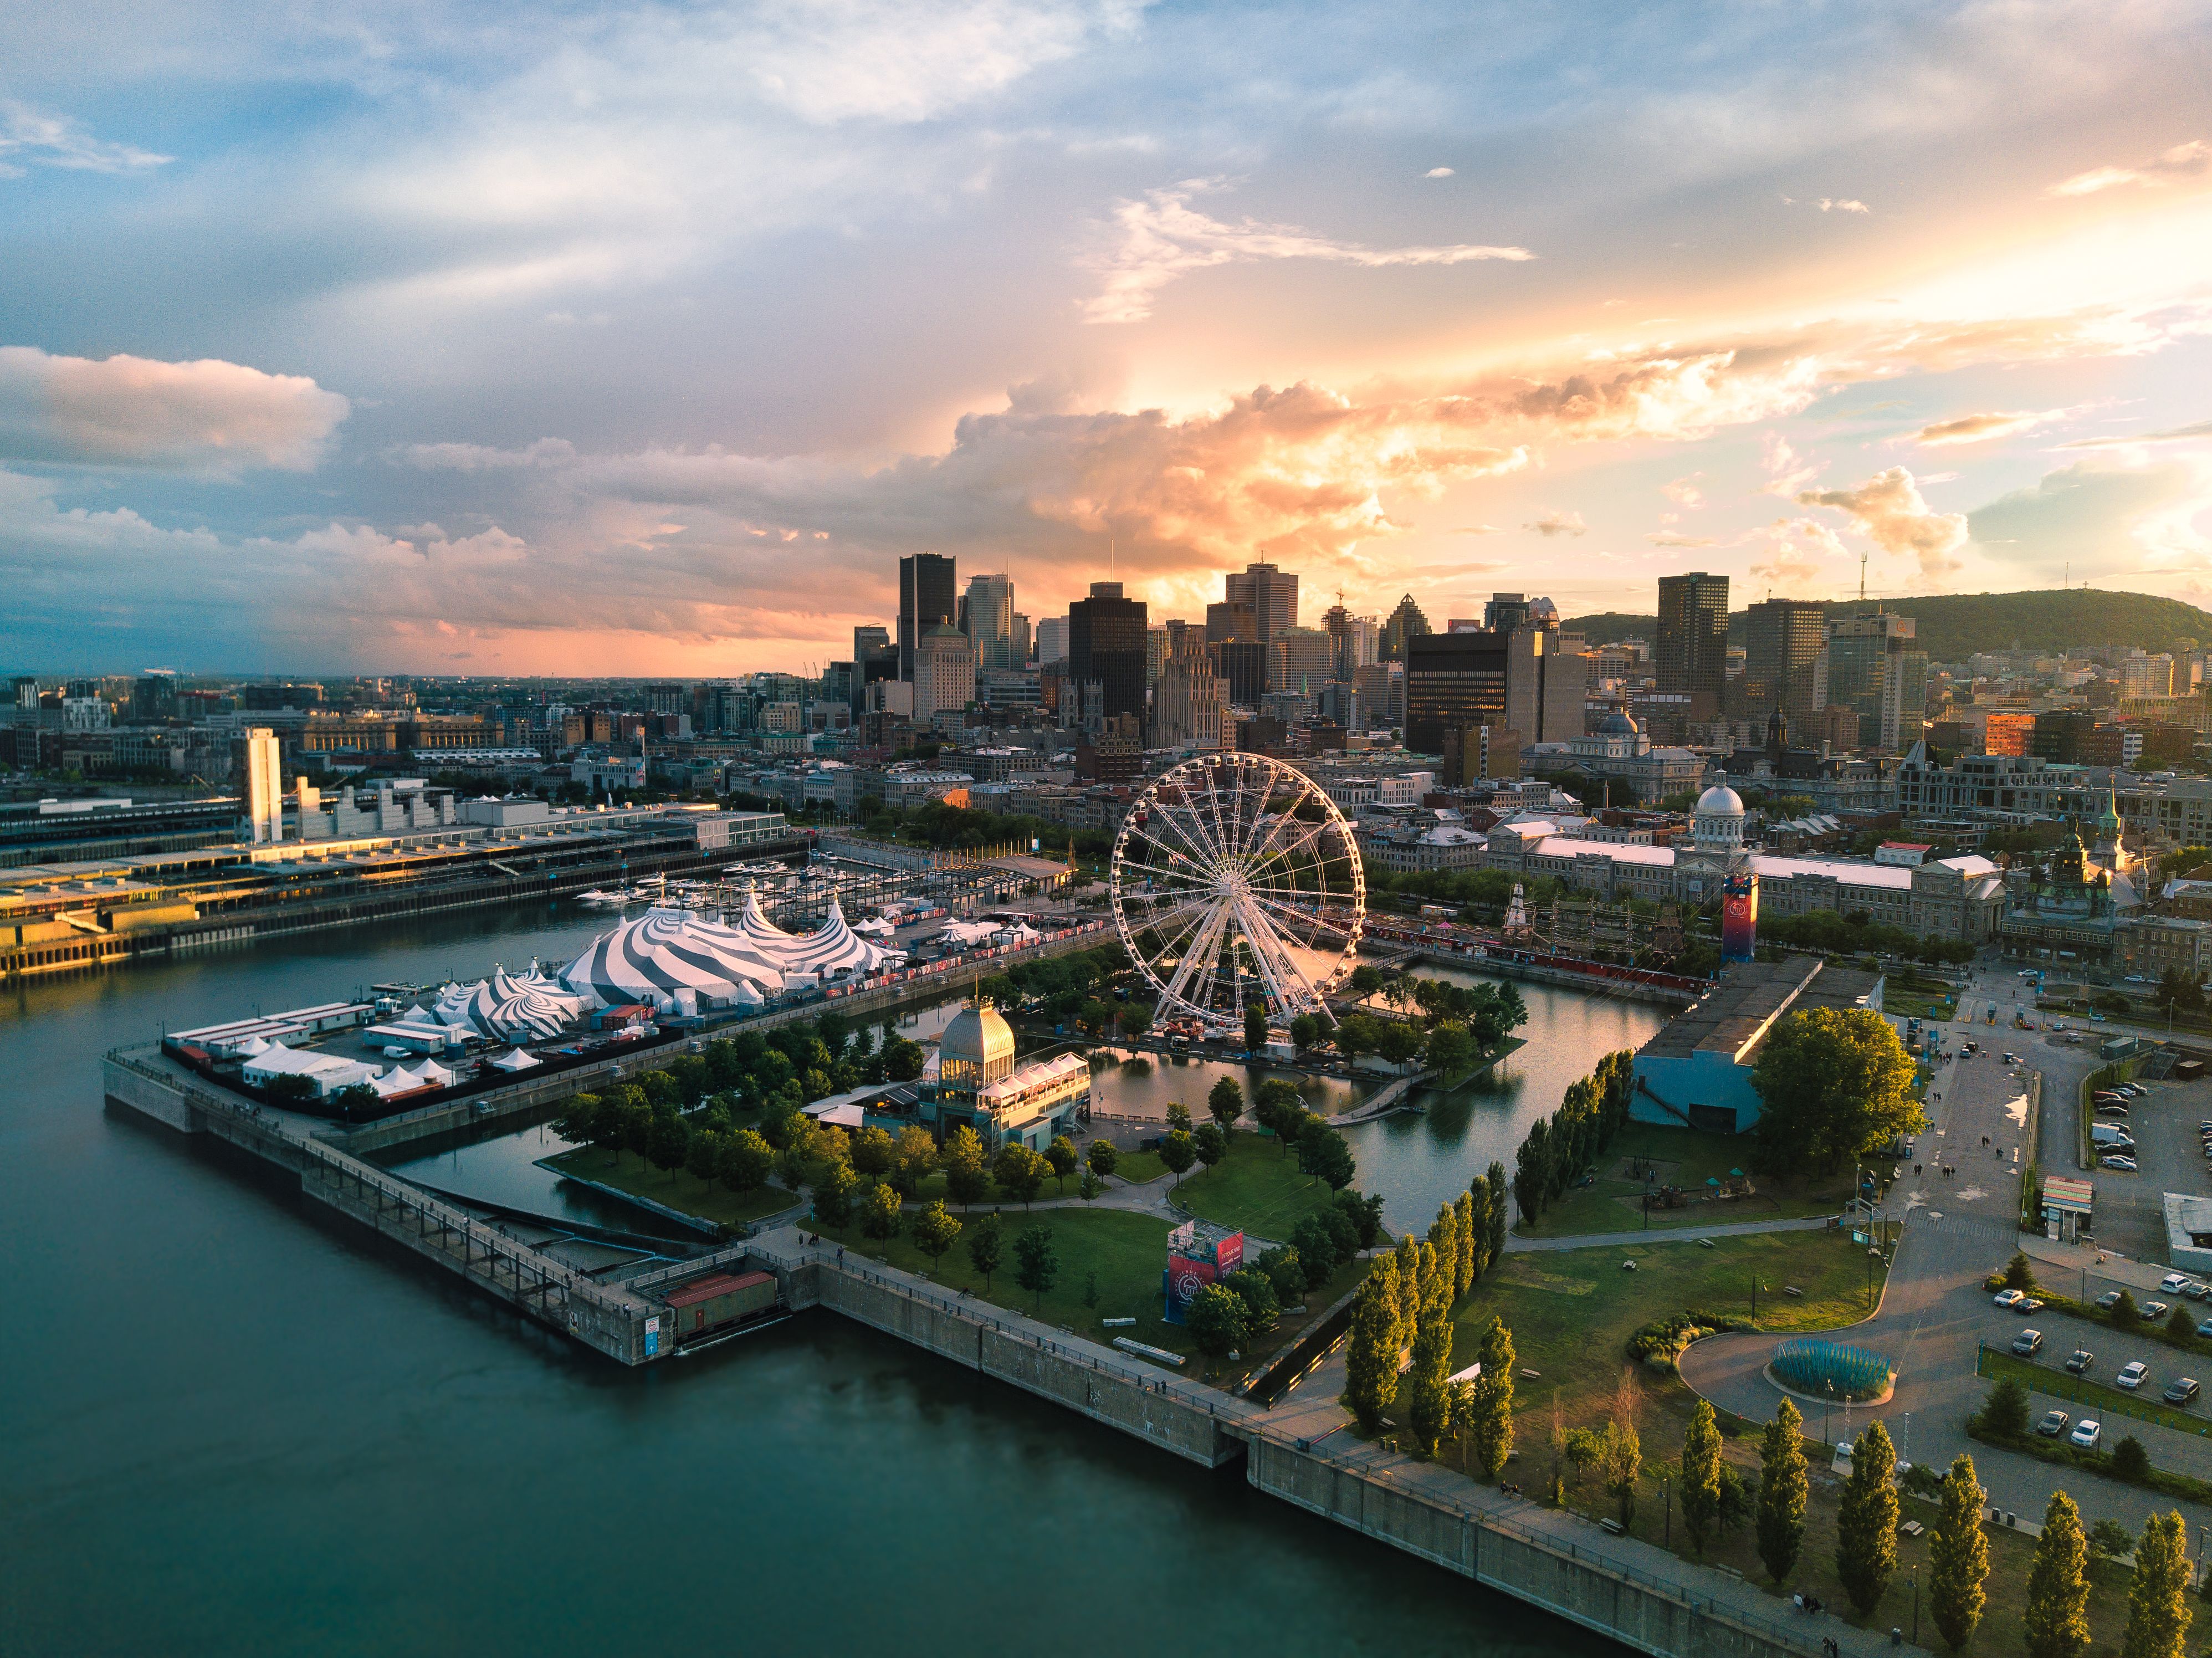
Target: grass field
{"x":1110,"y":1263}
{"x":1687,"y":1158}
{"x":679,"y":1190}
{"x":1257,"y":1186}
{"x":1571,"y":1311}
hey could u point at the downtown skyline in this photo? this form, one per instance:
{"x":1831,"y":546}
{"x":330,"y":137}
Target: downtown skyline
{"x":648,"y":343}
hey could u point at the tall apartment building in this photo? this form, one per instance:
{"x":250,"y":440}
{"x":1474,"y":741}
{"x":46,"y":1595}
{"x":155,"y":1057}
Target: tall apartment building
{"x":1106,"y":648}
{"x":1545,"y":686}
{"x":1782,"y":638}
{"x":1227,"y":621}
{"x":1504,"y":613}
{"x":1694,"y":641}
{"x":1407,"y":622}
{"x":1453,"y":681}
{"x":1298,"y":659}
{"x":1272,"y":595}
{"x":1051,"y":639}
{"x":1243,"y":664}
{"x":1381,"y":687}
{"x":1190,"y":703}
{"x":926,"y":598}
{"x":944,"y":671}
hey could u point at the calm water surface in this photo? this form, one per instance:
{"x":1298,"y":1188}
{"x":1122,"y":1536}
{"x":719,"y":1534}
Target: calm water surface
{"x":229,"y":1426}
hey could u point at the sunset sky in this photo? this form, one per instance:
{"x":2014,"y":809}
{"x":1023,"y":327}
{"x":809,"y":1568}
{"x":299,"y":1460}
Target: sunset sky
{"x":643,"y":339}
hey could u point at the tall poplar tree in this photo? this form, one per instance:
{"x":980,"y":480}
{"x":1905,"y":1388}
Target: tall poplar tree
{"x":1782,"y":1488}
{"x":1866,"y":1522}
{"x":1370,"y":1355}
{"x":1701,"y":1474}
{"x":1428,"y":1398}
{"x":1501,"y":1216}
{"x":1468,"y":1263}
{"x":1443,"y":1237}
{"x":1492,"y":1430}
{"x":2157,"y":1613}
{"x":2056,"y":1619}
{"x":1959,"y":1556}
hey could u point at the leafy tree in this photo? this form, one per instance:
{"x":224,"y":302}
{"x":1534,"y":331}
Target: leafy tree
{"x":702,"y":1158}
{"x":1866,"y":1520}
{"x":2004,"y":1411}
{"x":1280,"y":1110}
{"x":934,"y":1230}
{"x":1210,"y":1145}
{"x":1450,"y":1049}
{"x":2056,"y":1620}
{"x":2020,"y":1271}
{"x":1443,"y":1234}
{"x":2109,"y":1540}
{"x":833,"y":1195}
{"x":1398,"y":1042}
{"x":1371,"y":1354}
{"x":1532,"y":1171}
{"x":1782,"y":1490}
{"x":1701,"y":1474}
{"x":1306,"y":1030}
{"x":2158,"y":1613}
{"x":1959,"y":1556}
{"x":2125,"y":1314}
{"x":579,"y":1120}
{"x":1036,"y":1262}
{"x":637,"y":1124}
{"x":902,"y":1060}
{"x":1357,"y":1033}
{"x":2181,"y":1323}
{"x":609,"y":1127}
{"x":1500,"y":1215}
{"x":1255,"y":1026}
{"x":917,"y":1156}
{"x":1060,"y":1156}
{"x":1315,"y":1246}
{"x":879,"y":1210}
{"x":2131,"y":1461}
{"x":1492,"y":1432}
{"x":1020,"y":1173}
{"x":1327,"y":1155}
{"x":1178,"y":1152}
{"x":669,"y":1140}
{"x":1217,"y":1320}
{"x":745,"y":1162}
{"x":1620,"y":1451}
{"x":1262,"y":1309}
{"x":966,"y":1180}
{"x":986,"y":1240}
{"x":1102,"y":1155}
{"x":873,"y":1152}
{"x":1225,"y":1102}
{"x":1281,"y":1267}
{"x":1426,"y":1389}
{"x":1467,"y":1262}
{"x":1833,"y":1083}
{"x":1090,"y":1186}
{"x":1179,"y":1116}
{"x":1364,"y":1217}
{"x":1735,"y":1503}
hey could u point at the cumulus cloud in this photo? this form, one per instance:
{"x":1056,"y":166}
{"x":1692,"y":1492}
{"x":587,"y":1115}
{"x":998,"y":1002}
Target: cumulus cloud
{"x":1437,"y":172}
{"x":1791,"y":550}
{"x":1559,"y":524}
{"x":1786,"y":473}
{"x":1685,"y":491}
{"x":30,"y":137}
{"x":1888,"y":510}
{"x":206,"y":416}
{"x":1162,"y":237}
{"x":2181,"y":162}
{"x":1981,"y":428}
{"x":1668,"y":538}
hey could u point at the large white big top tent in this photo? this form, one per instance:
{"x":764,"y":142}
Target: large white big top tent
{"x":664,"y":954}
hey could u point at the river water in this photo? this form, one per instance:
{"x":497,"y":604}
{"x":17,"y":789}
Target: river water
{"x":229,"y":1425}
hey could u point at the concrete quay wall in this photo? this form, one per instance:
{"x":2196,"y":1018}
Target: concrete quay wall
{"x":1147,"y":1406}
{"x":1652,"y":1615}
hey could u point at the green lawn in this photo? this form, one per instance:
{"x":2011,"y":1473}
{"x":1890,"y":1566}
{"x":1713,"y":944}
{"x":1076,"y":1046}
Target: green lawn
{"x":1683,"y":1158}
{"x":1257,"y":1187}
{"x":1110,"y":1266}
{"x":1571,"y":1311}
{"x":679,"y":1190}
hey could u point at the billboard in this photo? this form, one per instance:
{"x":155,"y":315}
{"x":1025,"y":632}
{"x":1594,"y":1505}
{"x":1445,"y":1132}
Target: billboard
{"x":1739,"y":916}
{"x":1199,"y":1253}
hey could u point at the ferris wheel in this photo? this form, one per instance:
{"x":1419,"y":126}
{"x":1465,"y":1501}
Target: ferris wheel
{"x":1234,"y":878}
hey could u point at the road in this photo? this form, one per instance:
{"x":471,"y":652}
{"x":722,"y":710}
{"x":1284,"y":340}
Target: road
{"x":1958,"y":1227}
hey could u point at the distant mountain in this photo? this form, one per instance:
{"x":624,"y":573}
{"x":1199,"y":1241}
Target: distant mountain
{"x":1954,"y":626}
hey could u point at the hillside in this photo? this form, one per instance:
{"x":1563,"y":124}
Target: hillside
{"x":1953,"y":626}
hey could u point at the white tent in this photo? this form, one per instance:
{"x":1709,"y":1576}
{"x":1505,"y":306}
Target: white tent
{"x":515,"y":1060}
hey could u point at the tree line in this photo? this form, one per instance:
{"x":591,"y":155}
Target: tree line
{"x":1560,"y":1148}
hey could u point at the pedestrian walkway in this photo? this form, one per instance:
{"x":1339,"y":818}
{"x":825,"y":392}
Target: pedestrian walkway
{"x":1515,"y":1244}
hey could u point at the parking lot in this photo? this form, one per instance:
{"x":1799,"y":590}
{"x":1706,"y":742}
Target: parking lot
{"x":2130,"y":1215}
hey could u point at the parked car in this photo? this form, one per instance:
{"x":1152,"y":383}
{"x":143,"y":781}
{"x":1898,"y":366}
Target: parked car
{"x":2174,"y":1283}
{"x":2026,"y":1342}
{"x":2010,"y":1298}
{"x":2132,"y":1374}
{"x":2086,"y":1433}
{"x":2080,"y":1360}
{"x":2151,"y":1310}
{"x":2180,"y":1390}
{"x":2027,"y":1304}
{"x":2109,"y":1300}
{"x":2204,"y":1328}
{"x":2134,"y":1090}
{"x":2113,"y":1111}
{"x":2119,"y":1161}
{"x":2053,"y":1423}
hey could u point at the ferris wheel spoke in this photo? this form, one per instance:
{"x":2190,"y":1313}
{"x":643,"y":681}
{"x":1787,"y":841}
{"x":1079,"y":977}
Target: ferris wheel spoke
{"x":1264,"y":829}
{"x":1187,"y":867}
{"x":1278,"y":970}
{"x":1171,"y":927}
{"x":1207,"y":942}
{"x":1176,"y":819}
{"x":1306,"y":917}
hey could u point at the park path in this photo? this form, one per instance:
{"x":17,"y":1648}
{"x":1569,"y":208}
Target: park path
{"x":1515,"y":1244}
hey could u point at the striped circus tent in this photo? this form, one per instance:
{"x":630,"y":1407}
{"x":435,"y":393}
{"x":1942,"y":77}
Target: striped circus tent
{"x":833,"y":947}
{"x":655,"y":956}
{"x":510,"y":1007}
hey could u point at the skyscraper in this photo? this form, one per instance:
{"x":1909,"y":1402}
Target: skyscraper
{"x":1106,"y":648}
{"x":1863,"y":669}
{"x":989,"y":608}
{"x":1782,"y":639}
{"x":1406,"y":623}
{"x":1225,"y":621}
{"x":1694,"y":641}
{"x":1051,"y":639}
{"x":926,"y":595}
{"x":872,"y":637}
{"x":1504,"y":612}
{"x":1272,"y":593}
{"x":1453,"y":681}
{"x":1545,"y":685}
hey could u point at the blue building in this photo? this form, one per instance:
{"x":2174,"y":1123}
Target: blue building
{"x":1696,"y":1073}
